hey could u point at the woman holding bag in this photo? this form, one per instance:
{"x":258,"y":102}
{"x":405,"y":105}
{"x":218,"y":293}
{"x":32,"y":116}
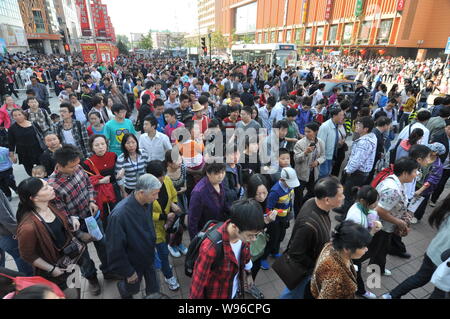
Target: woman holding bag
{"x":101,"y":170}
{"x":44,"y":233}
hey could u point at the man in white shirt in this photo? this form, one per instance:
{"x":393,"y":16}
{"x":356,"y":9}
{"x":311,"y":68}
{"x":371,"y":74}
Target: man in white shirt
{"x":318,"y":94}
{"x":279,"y":111}
{"x":422,"y":118}
{"x":96,"y":75}
{"x":153,"y":142}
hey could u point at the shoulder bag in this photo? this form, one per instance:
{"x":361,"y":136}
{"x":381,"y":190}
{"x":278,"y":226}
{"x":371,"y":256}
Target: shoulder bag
{"x":71,"y":253}
{"x":290,"y":272}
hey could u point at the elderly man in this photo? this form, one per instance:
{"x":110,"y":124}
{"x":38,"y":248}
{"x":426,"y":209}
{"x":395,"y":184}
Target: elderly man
{"x":132,"y":239}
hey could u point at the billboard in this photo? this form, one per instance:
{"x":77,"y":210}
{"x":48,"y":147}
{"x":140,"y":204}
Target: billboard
{"x":99,"y":52}
{"x":246,"y":18}
{"x":89,"y":52}
{"x":84,"y":19}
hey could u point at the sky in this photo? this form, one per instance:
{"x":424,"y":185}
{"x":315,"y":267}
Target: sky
{"x":139,"y":16}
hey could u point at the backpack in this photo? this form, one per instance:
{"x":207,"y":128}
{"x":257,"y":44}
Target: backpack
{"x":381,"y":176}
{"x":383,"y":101}
{"x":208,"y":231}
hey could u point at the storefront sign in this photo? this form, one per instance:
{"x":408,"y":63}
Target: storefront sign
{"x":89,"y":52}
{"x":84,"y":18}
{"x":328,"y":9}
{"x":359,"y":7}
{"x":304,"y":11}
{"x":401,"y":5}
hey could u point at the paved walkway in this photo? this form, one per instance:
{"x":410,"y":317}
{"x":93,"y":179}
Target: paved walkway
{"x":267,"y":281}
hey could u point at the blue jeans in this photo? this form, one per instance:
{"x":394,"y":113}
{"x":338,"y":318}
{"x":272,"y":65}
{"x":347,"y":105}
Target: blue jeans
{"x":298,"y":292}
{"x":11,"y":246}
{"x":163,"y":252}
{"x":325,"y":168}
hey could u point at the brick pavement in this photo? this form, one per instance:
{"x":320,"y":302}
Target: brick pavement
{"x":267,"y":281}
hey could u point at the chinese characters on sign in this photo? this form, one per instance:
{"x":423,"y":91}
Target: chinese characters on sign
{"x":359,"y":7}
{"x":84,"y":19}
{"x":328,"y":9}
{"x":400,"y":5}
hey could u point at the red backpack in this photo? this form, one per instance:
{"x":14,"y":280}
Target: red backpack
{"x":381,"y":176}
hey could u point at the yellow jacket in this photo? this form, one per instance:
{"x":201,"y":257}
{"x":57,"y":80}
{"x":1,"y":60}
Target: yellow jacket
{"x":408,"y":107}
{"x":157,"y":211}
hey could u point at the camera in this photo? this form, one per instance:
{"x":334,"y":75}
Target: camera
{"x":72,"y":250}
{"x":312,"y":145}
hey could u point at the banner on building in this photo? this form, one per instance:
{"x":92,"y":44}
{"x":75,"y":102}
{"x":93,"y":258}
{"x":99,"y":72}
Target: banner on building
{"x":329,"y":9}
{"x":401,"y":5}
{"x":84,"y":18}
{"x":89,"y":52}
{"x":359,"y":7}
{"x":304,"y":11}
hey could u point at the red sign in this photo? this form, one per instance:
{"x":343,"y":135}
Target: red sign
{"x":328,"y":9}
{"x":84,"y":18}
{"x":89,"y":52}
{"x":400,"y":5}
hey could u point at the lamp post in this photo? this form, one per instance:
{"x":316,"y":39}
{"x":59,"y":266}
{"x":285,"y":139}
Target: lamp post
{"x":209,"y":37}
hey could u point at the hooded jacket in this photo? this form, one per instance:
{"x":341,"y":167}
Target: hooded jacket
{"x":363,"y":154}
{"x":304,"y":117}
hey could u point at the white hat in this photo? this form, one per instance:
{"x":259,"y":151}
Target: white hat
{"x":267,"y":86}
{"x":290,"y":177}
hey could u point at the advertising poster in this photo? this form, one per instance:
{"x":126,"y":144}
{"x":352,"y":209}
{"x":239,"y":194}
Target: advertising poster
{"x":89,"y":52}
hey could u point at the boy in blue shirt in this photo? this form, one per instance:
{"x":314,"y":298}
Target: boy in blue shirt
{"x":115,"y":129}
{"x":7,"y":180}
{"x":279,"y":199}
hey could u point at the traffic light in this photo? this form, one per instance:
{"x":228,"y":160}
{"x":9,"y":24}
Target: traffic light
{"x":203,"y":43}
{"x":67,"y":48}
{"x":204,"y":47}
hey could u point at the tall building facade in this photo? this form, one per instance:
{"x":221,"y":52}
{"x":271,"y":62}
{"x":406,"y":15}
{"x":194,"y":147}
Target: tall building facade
{"x":207,"y":15}
{"x":69,"y":23}
{"x":400,"y":27}
{"x":12,"y":33}
{"x":41,"y":27}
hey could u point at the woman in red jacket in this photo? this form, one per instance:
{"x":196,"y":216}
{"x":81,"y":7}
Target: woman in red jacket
{"x":5,"y":112}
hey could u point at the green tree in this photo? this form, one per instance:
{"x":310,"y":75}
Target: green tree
{"x":123,"y":48}
{"x":218,"y":41}
{"x":248,"y":39}
{"x":191,"y":43}
{"x":124,"y":39}
{"x":146,"y":42}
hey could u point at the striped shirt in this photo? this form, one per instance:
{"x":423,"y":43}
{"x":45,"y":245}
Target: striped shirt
{"x":133,"y":169}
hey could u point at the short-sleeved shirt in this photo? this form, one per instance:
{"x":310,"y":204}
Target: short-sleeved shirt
{"x":392,"y":199}
{"x":114,"y":132}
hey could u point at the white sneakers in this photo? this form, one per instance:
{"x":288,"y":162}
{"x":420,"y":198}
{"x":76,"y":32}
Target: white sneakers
{"x":173,"y":283}
{"x":414,"y":220}
{"x":386,"y":296}
{"x":387,"y":272}
{"x":369,"y":295}
{"x":174,"y":251}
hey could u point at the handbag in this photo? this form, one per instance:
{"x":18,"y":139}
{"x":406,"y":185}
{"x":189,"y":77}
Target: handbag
{"x":39,"y":137}
{"x":290,"y":272}
{"x":72,"y":252}
{"x":258,"y":246}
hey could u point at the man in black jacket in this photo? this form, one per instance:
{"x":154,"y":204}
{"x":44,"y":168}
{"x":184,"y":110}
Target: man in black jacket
{"x":444,"y":139}
{"x":132,"y":239}
{"x":312,"y":231}
{"x":360,"y":93}
{"x":382,"y":125}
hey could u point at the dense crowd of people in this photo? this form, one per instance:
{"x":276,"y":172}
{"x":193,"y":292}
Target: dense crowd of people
{"x":235,"y":154}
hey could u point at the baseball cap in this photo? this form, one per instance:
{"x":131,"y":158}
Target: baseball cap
{"x":290,"y":177}
{"x":267,"y":86}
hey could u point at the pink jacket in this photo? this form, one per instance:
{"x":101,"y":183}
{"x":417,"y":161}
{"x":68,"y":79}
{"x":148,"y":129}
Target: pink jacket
{"x":4,"y":116}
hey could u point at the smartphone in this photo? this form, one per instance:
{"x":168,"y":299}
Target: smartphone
{"x":312,"y":145}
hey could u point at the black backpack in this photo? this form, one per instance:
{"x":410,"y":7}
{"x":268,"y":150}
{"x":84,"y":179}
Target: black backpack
{"x":212,"y":234}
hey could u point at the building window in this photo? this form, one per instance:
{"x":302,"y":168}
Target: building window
{"x":333,"y":34}
{"x":266,"y":37}
{"x":280,"y":36}
{"x":384,"y":31}
{"x":308,"y":34}
{"x":260,"y":38}
{"x":319,"y":35}
{"x":348,"y":30}
{"x":298,"y":35}
{"x":364,"y":32}
{"x":273,"y":37}
{"x":288,"y":36}
{"x":38,"y":21}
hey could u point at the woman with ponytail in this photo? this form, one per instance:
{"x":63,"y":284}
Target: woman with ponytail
{"x":35,"y":216}
{"x":363,"y":213}
{"x":334,"y":276}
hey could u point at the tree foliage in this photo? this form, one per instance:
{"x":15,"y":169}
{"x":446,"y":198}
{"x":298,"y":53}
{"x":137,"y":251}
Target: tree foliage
{"x":123,"y":48}
{"x":218,"y":40}
{"x":146,"y":42}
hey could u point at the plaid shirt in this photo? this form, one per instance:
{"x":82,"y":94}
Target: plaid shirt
{"x":40,"y":118}
{"x":80,"y":134}
{"x":73,"y":193}
{"x":217,"y":283}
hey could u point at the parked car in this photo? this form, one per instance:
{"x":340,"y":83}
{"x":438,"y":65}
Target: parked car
{"x":347,"y":88}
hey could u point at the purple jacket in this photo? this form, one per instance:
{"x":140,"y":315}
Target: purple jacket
{"x":205,"y":205}
{"x":434,"y":176}
{"x":303,"y":118}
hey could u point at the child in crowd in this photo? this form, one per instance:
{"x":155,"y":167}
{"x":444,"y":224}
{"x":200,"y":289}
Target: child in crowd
{"x":39,"y":171}
{"x":284,"y":160}
{"x":279,"y":199}
{"x":319,"y":111}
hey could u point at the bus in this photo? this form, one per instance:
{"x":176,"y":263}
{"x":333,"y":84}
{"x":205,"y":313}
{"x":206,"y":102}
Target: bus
{"x":282,"y":54}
